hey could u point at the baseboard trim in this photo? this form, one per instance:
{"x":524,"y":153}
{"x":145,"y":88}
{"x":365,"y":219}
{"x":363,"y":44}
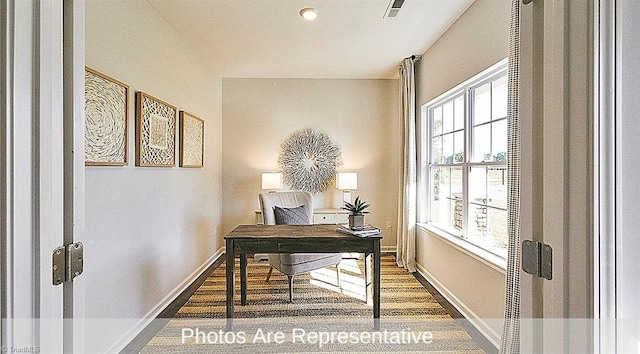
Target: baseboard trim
{"x":482,"y":326}
{"x":140,"y":326}
{"x":388,"y":249}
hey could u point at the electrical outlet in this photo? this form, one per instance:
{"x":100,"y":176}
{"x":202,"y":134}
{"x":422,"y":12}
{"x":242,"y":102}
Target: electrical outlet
{"x":215,"y":230}
{"x":388,"y":225}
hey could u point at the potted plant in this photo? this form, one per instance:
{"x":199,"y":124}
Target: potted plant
{"x":356,"y":212}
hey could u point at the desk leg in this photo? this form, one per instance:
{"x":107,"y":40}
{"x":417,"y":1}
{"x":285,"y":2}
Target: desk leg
{"x":367,"y":278}
{"x":243,"y":278}
{"x":230,"y":279}
{"x":376,"y":283}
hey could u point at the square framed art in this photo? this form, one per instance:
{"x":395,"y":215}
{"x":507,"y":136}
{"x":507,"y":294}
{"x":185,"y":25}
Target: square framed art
{"x":191,"y":140}
{"x":106,"y":119}
{"x":155,"y":132}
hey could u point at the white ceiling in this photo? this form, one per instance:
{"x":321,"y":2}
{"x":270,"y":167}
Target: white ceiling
{"x":269,"y":39}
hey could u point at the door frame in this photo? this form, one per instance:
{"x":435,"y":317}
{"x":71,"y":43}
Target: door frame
{"x":617,"y":314}
{"x":605,"y":177}
{"x":74,"y":169}
{"x":557,"y":196}
{"x":41,"y":170}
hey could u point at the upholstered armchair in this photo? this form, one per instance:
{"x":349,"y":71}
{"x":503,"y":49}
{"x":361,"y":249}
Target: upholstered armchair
{"x":294,"y":208}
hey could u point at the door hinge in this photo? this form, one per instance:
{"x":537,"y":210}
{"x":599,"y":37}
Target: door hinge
{"x":537,"y":259}
{"x":67,"y":262}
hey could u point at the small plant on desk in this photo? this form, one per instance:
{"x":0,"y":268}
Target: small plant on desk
{"x":356,"y":212}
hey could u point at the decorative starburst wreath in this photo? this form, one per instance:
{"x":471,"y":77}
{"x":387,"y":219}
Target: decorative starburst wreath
{"x":309,"y":160}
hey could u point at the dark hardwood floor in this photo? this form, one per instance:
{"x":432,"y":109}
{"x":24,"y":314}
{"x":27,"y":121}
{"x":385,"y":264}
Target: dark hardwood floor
{"x":480,"y":339}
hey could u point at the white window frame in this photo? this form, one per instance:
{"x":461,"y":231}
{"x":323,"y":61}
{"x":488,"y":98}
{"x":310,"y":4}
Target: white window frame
{"x":425,"y":160}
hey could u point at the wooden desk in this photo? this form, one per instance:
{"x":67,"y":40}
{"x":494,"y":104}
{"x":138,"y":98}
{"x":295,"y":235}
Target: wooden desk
{"x":295,"y":239}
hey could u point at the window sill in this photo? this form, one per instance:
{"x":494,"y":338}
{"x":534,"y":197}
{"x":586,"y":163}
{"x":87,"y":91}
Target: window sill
{"x":494,"y":261}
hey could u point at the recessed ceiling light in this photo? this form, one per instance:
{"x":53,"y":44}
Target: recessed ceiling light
{"x":309,"y":13}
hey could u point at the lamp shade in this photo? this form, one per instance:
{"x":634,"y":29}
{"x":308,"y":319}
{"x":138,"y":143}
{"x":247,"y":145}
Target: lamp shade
{"x":347,"y":180}
{"x":271,"y":180}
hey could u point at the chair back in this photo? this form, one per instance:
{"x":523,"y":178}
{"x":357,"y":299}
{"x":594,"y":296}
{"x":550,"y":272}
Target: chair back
{"x":291,"y":199}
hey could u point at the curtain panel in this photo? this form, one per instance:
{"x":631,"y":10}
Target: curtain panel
{"x":406,"y":236}
{"x":510,"y":341}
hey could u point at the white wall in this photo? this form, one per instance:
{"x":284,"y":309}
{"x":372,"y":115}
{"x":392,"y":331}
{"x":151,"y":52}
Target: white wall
{"x":360,"y":116}
{"x":148,"y":229}
{"x":473,"y":285}
{"x":477,"y":40}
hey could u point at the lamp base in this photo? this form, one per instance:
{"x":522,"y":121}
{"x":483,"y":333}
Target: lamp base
{"x":346,"y":196}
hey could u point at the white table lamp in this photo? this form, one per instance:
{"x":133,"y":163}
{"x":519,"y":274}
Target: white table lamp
{"x":346,"y":181}
{"x":271,"y":181}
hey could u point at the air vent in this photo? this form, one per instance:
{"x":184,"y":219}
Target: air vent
{"x":394,"y":8}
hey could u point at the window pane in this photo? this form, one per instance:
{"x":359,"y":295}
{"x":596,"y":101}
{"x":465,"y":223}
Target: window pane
{"x":447,"y":148}
{"x":497,"y":231}
{"x":482,"y":104}
{"x":499,"y":141}
{"x":481,"y":143}
{"x":437,"y":121}
{"x":456,"y":194}
{"x":489,"y":230}
{"x":497,"y":187}
{"x":477,"y":203}
{"x":458,"y":111}
{"x":436,"y":151}
{"x":456,"y":182}
{"x":458,"y":146}
{"x":477,"y":224}
{"x":499,"y":98}
{"x":446,"y":198}
{"x":478,"y":186}
{"x":444,"y":212}
{"x":447,"y":117}
{"x":435,"y":197}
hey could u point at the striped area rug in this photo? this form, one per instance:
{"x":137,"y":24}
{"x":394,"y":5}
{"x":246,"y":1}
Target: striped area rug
{"x":325,"y":315}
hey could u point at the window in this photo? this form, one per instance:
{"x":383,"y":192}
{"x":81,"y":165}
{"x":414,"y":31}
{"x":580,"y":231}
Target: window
{"x":464,"y":140}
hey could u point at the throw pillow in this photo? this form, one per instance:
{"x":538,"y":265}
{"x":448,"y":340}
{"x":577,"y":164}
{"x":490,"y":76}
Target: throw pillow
{"x":291,"y":216}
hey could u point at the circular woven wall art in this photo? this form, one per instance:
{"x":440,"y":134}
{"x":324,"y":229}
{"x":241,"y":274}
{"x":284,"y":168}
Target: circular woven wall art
{"x":309,"y":160}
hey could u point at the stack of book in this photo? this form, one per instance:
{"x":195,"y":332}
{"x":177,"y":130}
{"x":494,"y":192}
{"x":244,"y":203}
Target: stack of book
{"x":364,"y":231}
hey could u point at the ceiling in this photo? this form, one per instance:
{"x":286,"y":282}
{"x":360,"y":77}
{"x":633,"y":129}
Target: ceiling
{"x":269,"y":39}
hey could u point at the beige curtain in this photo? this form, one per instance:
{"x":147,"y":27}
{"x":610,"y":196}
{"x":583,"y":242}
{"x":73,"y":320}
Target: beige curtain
{"x":406,"y":237}
{"x":510,"y":342}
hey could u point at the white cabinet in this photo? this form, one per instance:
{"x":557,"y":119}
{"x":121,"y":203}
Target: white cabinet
{"x":320,"y":216}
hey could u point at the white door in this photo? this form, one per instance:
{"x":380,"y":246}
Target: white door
{"x":557,"y":172}
{"x":41,"y":172}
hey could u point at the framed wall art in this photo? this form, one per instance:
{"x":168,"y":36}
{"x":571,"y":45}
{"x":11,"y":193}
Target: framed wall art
{"x":155,"y":131}
{"x":309,"y":160}
{"x":106,"y":113}
{"x":191,"y":140}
